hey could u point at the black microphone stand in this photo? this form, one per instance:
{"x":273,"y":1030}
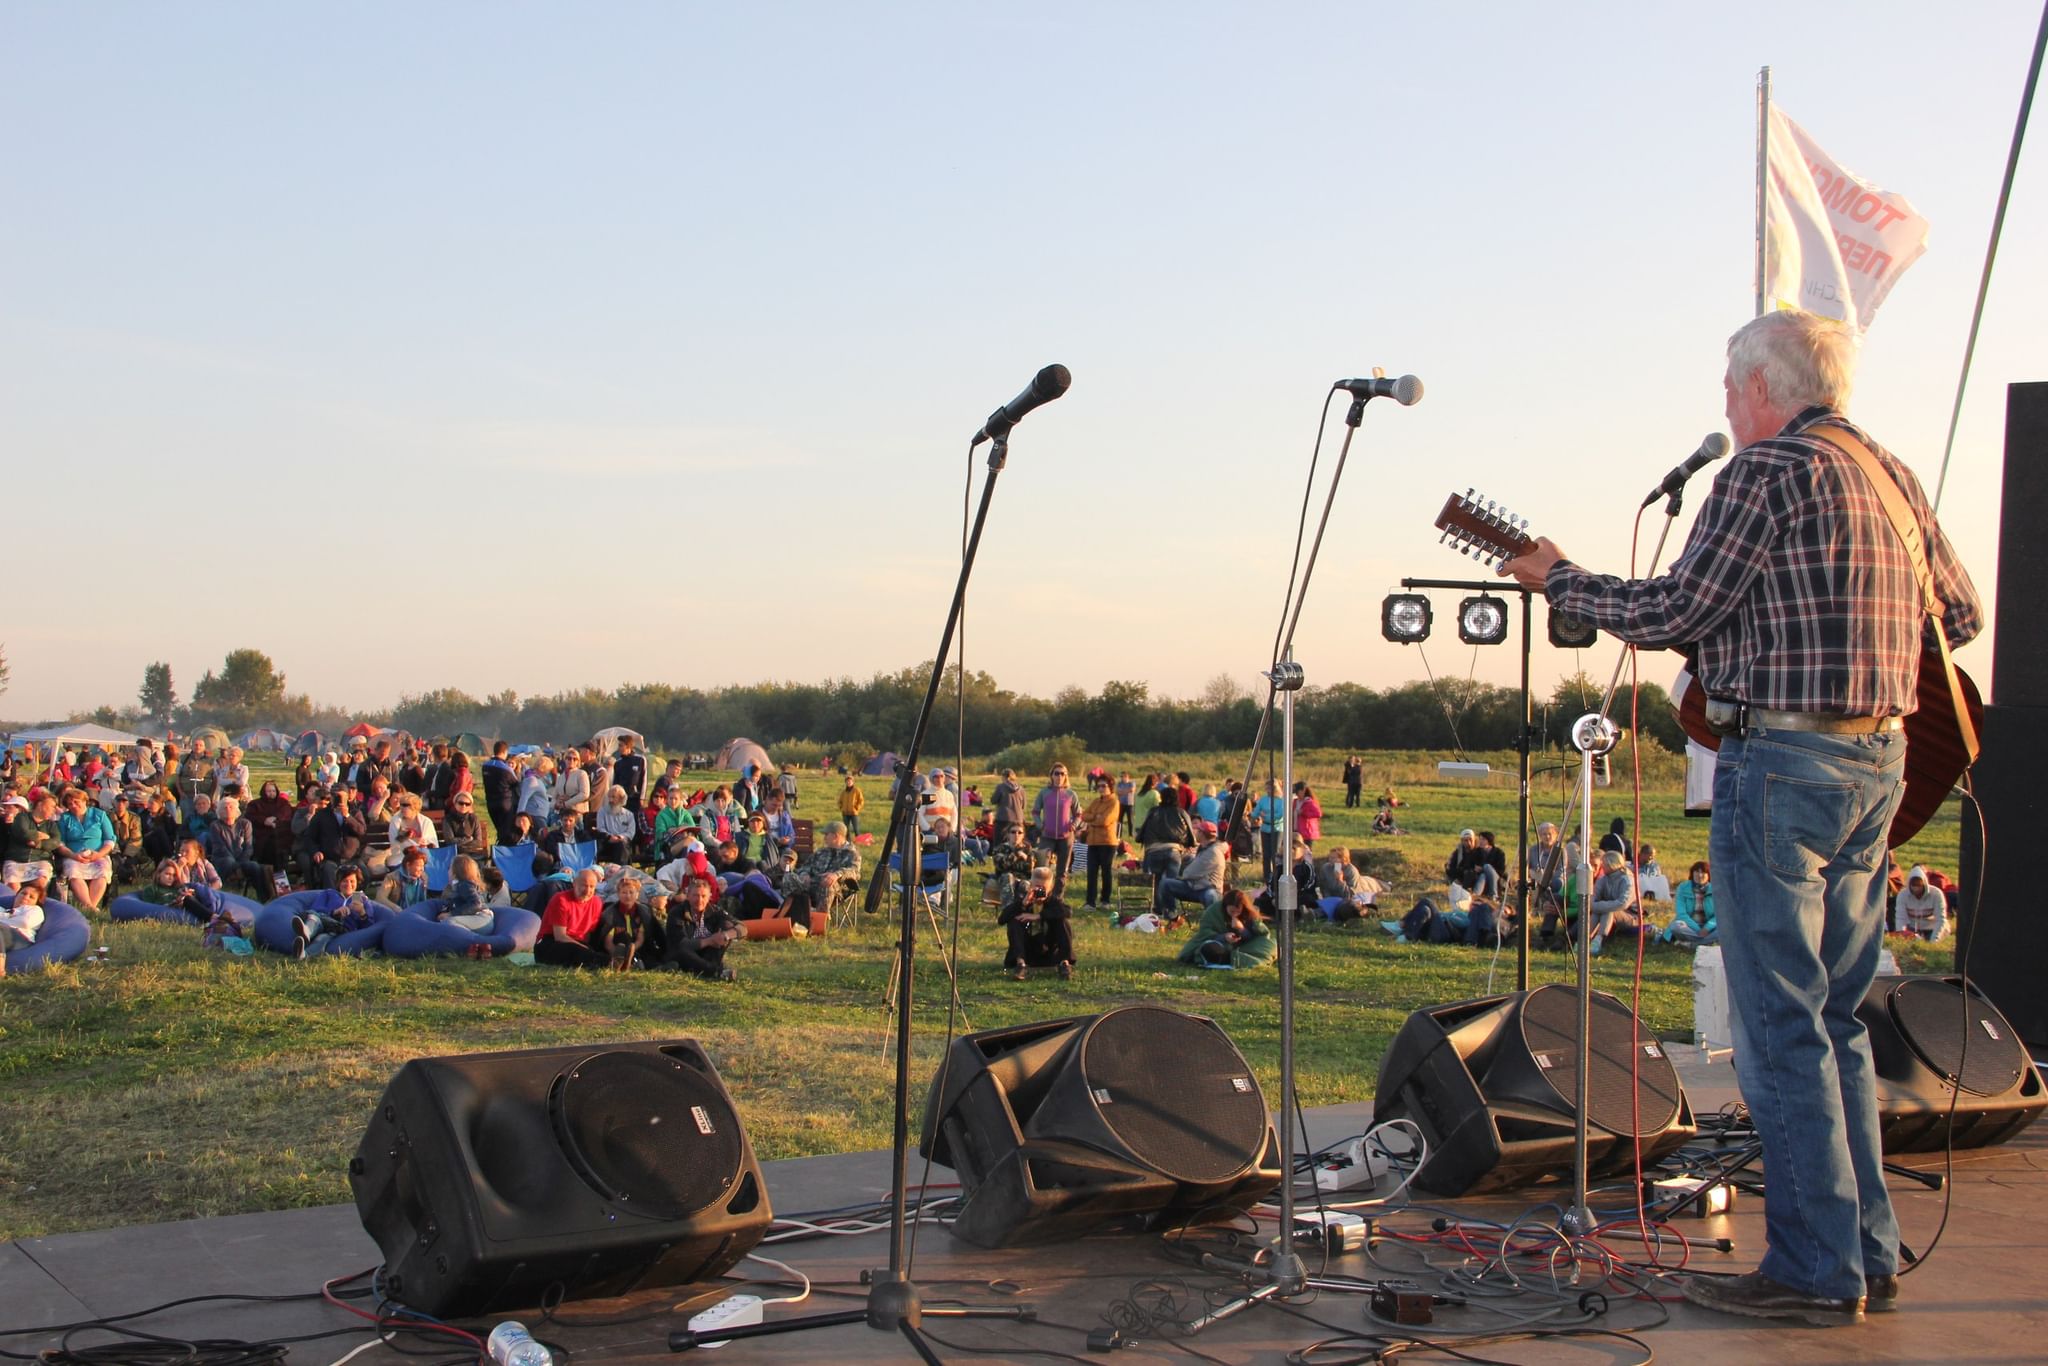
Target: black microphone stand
{"x":893,"y":1300}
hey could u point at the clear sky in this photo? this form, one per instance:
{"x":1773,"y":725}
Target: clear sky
{"x":534,"y":346}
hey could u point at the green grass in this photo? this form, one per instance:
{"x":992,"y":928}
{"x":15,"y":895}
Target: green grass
{"x":178,"y":1082}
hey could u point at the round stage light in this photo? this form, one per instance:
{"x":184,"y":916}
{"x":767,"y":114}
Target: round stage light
{"x":1569,"y":633}
{"x":1405,"y":618}
{"x":1483,"y":620}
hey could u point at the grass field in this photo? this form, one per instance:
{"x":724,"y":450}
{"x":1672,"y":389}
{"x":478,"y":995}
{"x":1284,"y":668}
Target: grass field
{"x":175,"y":1082}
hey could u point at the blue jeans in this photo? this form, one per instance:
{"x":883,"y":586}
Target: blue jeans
{"x":1174,"y":890}
{"x":1798,"y":847}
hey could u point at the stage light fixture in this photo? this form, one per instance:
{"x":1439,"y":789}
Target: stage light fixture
{"x":1405,"y":618}
{"x":1569,"y":633}
{"x":1483,"y":620}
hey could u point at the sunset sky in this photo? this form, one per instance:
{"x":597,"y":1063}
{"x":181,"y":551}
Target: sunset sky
{"x":534,"y":347}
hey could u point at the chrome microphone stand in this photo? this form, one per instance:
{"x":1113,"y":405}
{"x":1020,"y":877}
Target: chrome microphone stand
{"x":1592,"y":734}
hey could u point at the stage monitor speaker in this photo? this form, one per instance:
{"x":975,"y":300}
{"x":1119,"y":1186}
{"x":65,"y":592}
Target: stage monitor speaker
{"x":494,"y":1179}
{"x":1056,"y":1129}
{"x":1918,"y":1030}
{"x":1492,"y":1084}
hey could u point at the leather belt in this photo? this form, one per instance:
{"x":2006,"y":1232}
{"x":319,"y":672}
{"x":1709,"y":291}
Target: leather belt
{"x":1832,"y":723}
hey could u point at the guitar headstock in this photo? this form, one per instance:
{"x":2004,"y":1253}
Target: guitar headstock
{"x":1483,"y":529}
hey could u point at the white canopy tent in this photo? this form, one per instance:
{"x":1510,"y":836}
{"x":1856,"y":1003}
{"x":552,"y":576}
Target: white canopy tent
{"x":81,"y":733}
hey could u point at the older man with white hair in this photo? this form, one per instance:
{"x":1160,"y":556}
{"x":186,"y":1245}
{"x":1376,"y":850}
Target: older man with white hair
{"x":1803,"y":607}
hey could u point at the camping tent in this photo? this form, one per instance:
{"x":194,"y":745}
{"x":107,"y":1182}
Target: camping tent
{"x":472,"y":744}
{"x":882,"y":764}
{"x":265,"y":738}
{"x":361,"y":730}
{"x":517,"y":751}
{"x":80,"y":733}
{"x":738,"y":752}
{"x":216,"y":739}
{"x":310,"y":742}
{"x":607,"y":740}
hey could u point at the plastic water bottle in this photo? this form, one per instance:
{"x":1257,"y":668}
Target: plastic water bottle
{"x":512,"y":1345}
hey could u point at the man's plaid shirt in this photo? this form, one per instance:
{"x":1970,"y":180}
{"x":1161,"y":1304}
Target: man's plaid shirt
{"x":1793,"y":584}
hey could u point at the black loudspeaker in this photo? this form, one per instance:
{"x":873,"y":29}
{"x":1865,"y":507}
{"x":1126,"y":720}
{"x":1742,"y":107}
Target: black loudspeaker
{"x":2006,"y":940}
{"x":1492,"y":1084}
{"x":494,"y":1179}
{"x":1918,"y":1026}
{"x":1059,"y":1128}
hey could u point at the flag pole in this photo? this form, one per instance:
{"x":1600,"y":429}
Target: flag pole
{"x":1763,"y":171}
{"x":2012,"y":163}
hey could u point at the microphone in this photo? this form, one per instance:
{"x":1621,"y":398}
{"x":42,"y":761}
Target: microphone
{"x":1406,"y":391}
{"x":1047,"y":385}
{"x":1711,"y":449}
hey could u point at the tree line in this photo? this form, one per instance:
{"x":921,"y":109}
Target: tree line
{"x":859,"y":716}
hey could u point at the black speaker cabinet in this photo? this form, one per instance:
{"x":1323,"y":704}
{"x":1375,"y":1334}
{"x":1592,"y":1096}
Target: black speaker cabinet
{"x":1918,"y":1026}
{"x":490,"y":1179}
{"x":1059,"y":1128}
{"x":1492,"y":1083}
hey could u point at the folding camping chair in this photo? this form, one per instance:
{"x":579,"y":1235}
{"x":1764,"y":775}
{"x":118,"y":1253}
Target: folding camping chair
{"x":440,"y":859}
{"x":515,"y":863}
{"x":574,"y":858}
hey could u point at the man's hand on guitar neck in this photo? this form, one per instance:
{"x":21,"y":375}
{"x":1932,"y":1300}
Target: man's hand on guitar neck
{"x":1530,"y":570}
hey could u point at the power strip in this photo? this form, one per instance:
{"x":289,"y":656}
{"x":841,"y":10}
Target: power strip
{"x":732,"y":1312}
{"x":1359,"y":1163}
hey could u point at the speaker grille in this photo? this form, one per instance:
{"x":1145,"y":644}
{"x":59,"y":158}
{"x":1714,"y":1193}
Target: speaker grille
{"x":1933,"y":1015}
{"x":1550,"y":1028}
{"x":1176,"y":1092}
{"x":646,"y":1131}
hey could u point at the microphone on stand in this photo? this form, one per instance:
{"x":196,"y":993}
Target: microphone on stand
{"x":1711,"y":449}
{"x":1047,"y":385}
{"x":1406,"y":391}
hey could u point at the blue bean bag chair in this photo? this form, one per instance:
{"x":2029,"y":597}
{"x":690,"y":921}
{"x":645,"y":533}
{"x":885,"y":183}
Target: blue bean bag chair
{"x":64,"y":937}
{"x":135,"y":908}
{"x":415,"y":933}
{"x":273,"y":926}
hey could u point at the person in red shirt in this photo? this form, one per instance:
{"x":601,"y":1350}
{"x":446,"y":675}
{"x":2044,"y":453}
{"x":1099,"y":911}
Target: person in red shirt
{"x":567,"y":924}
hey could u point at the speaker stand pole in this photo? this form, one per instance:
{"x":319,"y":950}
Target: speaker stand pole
{"x":893,"y":1301}
{"x":1593,"y":734}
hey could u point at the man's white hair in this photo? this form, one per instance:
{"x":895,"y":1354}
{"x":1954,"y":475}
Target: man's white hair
{"x":1803,"y":357}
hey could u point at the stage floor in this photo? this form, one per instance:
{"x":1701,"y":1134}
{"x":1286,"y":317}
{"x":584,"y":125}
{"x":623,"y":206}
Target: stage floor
{"x":1982,"y":1298}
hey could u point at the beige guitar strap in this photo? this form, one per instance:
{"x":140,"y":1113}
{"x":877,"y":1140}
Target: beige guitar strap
{"x":1907,"y":526}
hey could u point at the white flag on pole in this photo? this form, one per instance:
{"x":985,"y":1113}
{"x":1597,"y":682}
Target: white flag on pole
{"x":1836,"y":243}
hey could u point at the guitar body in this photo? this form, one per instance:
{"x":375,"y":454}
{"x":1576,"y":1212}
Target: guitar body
{"x":1935,"y":754}
{"x":1935,"y":757}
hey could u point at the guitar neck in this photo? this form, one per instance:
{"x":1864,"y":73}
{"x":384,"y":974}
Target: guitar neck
{"x":1483,"y":529}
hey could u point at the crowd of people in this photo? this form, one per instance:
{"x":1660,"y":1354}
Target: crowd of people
{"x":637,"y":869}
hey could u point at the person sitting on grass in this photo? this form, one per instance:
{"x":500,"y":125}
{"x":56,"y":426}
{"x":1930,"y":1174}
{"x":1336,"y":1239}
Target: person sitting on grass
{"x":1355,"y":892}
{"x":623,"y":930}
{"x":1199,"y":880}
{"x":755,"y":847}
{"x":167,"y":887}
{"x":697,"y":934}
{"x":338,"y":911}
{"x":195,"y":867}
{"x":568,"y":925}
{"x":270,"y":818}
{"x":465,"y":903}
{"x":1040,"y":928}
{"x":21,"y":922}
{"x":1011,"y":862}
{"x":1920,"y":908}
{"x":200,"y":818}
{"x":406,"y":885}
{"x":1616,"y":909}
{"x":1692,"y":909}
{"x":831,"y":872}
{"x":1230,"y":933}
